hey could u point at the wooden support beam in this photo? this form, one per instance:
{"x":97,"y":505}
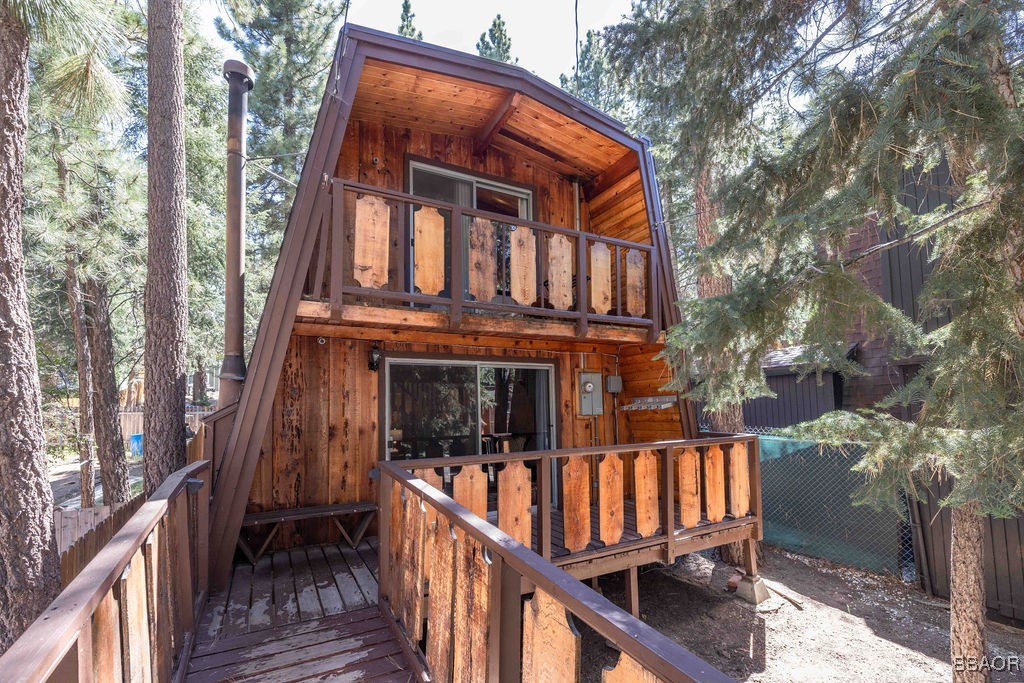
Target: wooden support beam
{"x":545,"y":152}
{"x":626,"y":164}
{"x":502,"y":114}
{"x":633,"y":592}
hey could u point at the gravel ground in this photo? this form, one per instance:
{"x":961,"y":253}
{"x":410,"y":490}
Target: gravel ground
{"x":838,"y":623}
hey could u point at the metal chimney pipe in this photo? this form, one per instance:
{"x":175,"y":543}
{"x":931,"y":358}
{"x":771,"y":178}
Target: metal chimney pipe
{"x":240,"y":80}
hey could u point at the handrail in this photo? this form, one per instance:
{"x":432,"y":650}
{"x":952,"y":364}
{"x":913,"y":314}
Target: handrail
{"x":42,"y":647}
{"x":500,"y":218}
{"x":660,"y":654}
{"x":489,"y":459}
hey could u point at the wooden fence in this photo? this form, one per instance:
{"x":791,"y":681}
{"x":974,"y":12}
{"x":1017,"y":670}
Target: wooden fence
{"x":82,"y":533}
{"x":131,"y":421}
{"x":476,"y":624}
{"x":130,"y":613}
{"x":1004,"y":554}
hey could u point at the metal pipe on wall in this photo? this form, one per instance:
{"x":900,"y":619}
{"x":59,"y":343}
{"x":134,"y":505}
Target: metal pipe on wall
{"x":240,"y":80}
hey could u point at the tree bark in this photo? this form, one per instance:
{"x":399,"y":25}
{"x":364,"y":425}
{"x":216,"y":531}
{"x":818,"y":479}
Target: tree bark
{"x":86,"y":440}
{"x":29,"y":565}
{"x":967,"y":594}
{"x":199,"y":382}
{"x":166,"y":305}
{"x":729,"y":420}
{"x":106,"y":404}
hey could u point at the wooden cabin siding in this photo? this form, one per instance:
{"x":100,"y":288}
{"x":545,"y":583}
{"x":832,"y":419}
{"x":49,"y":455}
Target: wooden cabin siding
{"x":323,"y":438}
{"x":392,"y":147}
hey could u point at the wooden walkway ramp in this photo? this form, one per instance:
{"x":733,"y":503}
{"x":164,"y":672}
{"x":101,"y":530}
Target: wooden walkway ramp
{"x":299,"y":615}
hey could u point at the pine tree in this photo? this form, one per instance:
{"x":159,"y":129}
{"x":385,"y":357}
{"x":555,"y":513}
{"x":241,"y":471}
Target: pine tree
{"x":166,"y":304}
{"x":595,"y":81}
{"x":406,"y":28}
{"x":885,"y":89}
{"x":29,"y":570}
{"x":495,"y":43}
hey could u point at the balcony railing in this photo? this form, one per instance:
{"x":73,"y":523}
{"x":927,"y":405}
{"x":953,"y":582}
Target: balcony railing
{"x":581,"y":504}
{"x":404,"y":250}
{"x":472,"y":603}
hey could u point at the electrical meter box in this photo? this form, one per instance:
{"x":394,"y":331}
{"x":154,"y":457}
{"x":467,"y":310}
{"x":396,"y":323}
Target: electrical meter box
{"x":589,"y":390}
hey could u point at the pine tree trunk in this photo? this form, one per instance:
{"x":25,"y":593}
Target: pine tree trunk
{"x":166,"y":303}
{"x":86,"y":441}
{"x":729,"y":420}
{"x":967,"y":593}
{"x":199,"y":382}
{"x":29,"y":565}
{"x":106,"y":404}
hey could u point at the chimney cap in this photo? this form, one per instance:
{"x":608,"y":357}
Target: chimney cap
{"x":234,"y":67}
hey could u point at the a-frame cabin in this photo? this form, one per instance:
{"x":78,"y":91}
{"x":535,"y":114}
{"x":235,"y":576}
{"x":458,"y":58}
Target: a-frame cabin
{"x":453,"y":411}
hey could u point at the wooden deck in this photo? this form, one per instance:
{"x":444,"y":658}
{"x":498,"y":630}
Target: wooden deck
{"x":304,"y":614}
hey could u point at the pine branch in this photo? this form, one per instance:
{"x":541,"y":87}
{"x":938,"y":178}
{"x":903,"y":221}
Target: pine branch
{"x":917,"y":234}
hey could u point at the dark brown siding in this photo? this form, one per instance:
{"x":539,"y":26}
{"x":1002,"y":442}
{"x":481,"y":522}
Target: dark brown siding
{"x":1004,"y":554}
{"x":796,"y":401}
{"x":905,"y":268}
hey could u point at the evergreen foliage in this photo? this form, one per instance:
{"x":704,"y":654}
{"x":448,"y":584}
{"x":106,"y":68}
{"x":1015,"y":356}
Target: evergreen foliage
{"x":594,"y":81}
{"x":873,"y":91}
{"x":406,"y":27}
{"x":495,"y":43}
{"x":289,"y":45}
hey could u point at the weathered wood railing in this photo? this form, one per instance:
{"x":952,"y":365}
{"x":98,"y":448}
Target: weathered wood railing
{"x":131,"y":611}
{"x":455,"y":585}
{"x":402,"y":248}
{"x":682,"y":496}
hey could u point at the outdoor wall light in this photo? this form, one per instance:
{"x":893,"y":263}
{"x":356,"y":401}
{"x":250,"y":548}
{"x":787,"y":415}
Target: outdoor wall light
{"x":374,"y":358}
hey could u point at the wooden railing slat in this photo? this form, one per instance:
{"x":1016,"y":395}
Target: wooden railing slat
{"x":576,"y":503}
{"x":714,"y":483}
{"x":559,"y":292}
{"x":523,"y":265}
{"x":471,"y":605}
{"x":439,"y":608}
{"x":688,"y":476}
{"x":514,"y":502}
{"x":645,"y":475}
{"x":609,"y":499}
{"x":483,"y":263}
{"x":137,"y":664}
{"x":428,"y":250}
{"x":628,"y":670}
{"x":370,"y":247}
{"x":551,"y":643}
{"x":739,"y":481}
{"x":106,"y":639}
{"x":469,"y":488}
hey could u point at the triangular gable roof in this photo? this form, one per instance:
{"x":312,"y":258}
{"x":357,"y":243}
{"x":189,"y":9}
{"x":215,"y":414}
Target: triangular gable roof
{"x":312,"y":205}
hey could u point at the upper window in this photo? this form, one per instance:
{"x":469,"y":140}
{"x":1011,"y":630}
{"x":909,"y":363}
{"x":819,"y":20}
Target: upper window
{"x":433,"y":182}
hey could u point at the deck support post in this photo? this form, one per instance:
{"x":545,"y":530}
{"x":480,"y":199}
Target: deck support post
{"x":633,"y":591}
{"x":751,"y":587}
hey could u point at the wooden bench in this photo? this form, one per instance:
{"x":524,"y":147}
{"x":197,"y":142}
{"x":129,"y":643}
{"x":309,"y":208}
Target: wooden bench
{"x":367,"y":511}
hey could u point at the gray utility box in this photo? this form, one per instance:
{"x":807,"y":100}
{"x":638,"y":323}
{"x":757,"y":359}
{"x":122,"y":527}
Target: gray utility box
{"x":591,"y":396}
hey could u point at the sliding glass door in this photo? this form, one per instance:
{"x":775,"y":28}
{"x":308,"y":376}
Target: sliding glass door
{"x":452,"y":408}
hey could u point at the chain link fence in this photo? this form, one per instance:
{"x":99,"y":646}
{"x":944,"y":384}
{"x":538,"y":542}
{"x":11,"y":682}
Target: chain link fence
{"x":808,"y":493}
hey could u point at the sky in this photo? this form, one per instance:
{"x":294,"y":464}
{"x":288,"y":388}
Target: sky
{"x":541,"y":30}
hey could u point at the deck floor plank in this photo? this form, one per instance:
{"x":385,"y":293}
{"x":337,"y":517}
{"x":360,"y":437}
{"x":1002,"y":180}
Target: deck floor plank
{"x":326,"y":588}
{"x":305,"y":586}
{"x":286,"y":603}
{"x":266,"y":627}
{"x":261,"y":610}
{"x":346,"y":583}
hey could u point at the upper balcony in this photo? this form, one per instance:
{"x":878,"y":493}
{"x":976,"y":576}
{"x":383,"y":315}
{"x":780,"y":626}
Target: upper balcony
{"x":404,"y":252}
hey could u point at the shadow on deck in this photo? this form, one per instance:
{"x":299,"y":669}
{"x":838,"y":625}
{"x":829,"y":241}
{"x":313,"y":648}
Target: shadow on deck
{"x":303,"y":614}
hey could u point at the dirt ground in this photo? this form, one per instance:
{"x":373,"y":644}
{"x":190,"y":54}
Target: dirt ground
{"x":840,"y":624}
